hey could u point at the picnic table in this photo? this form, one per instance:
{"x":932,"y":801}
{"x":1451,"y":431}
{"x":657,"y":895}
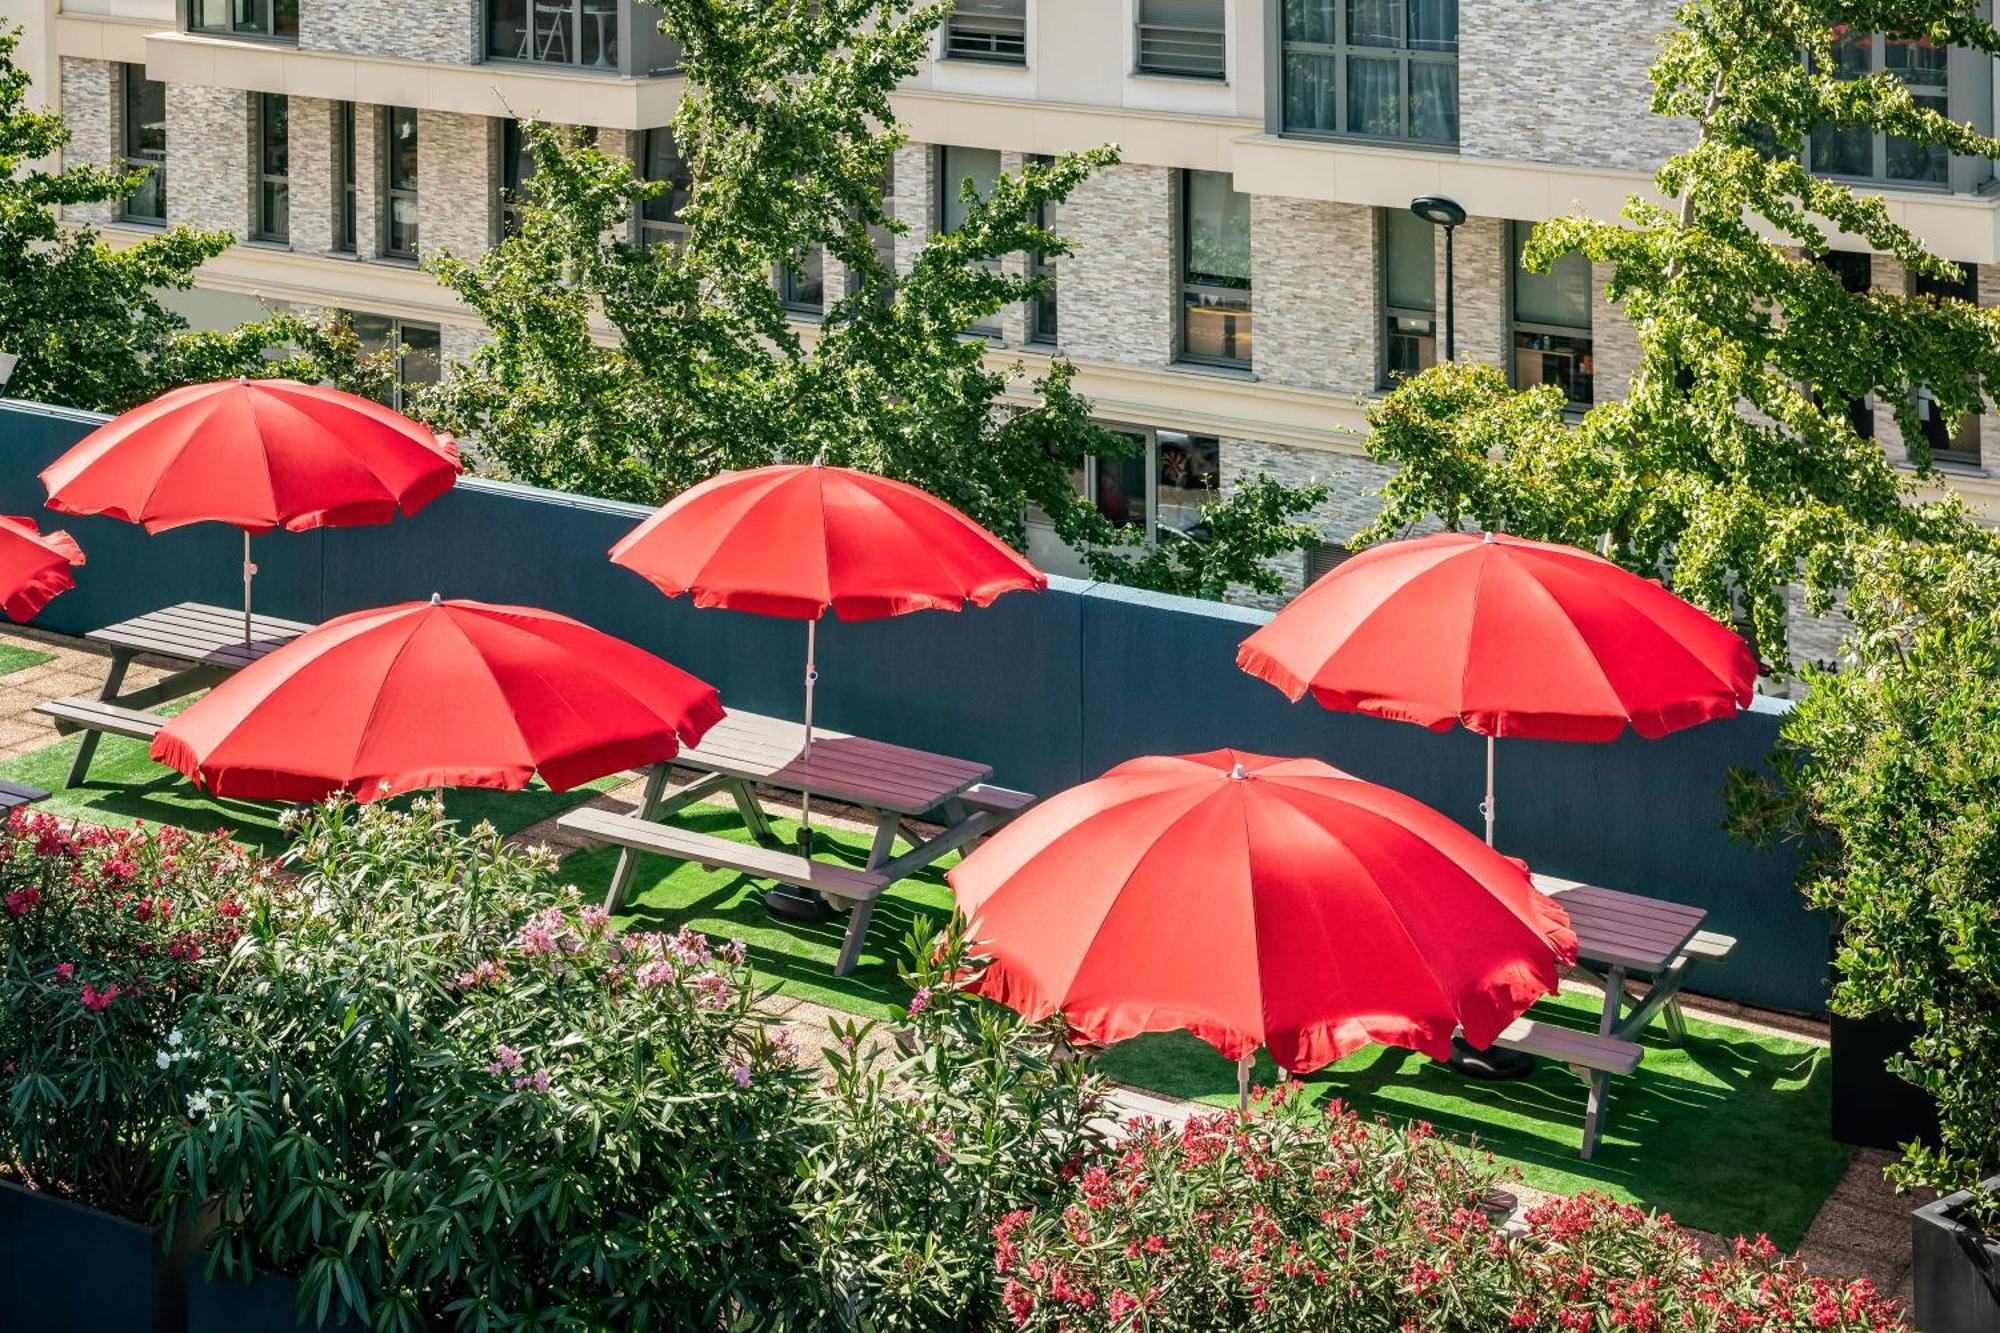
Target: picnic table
{"x":1626,"y":934}
{"x":207,"y":640}
{"x":893,"y":784}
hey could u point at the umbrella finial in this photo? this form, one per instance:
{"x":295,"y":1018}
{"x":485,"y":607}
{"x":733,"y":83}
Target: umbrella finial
{"x":1239,"y":773}
{"x":437,"y":599}
{"x":1487,"y":536}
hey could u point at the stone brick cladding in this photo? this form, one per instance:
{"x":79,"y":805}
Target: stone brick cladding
{"x":1546,"y":83}
{"x":458,"y":342}
{"x":94,"y":112}
{"x":1013,"y":319}
{"x":1118,"y":298}
{"x":208,"y":158}
{"x":1354,"y":487}
{"x":916,"y":200}
{"x":1316,"y":285}
{"x":311,"y":122}
{"x":444,"y":31}
{"x":458,"y":182}
{"x":1485,"y":272}
{"x":1614,"y":343}
{"x":370,"y":162}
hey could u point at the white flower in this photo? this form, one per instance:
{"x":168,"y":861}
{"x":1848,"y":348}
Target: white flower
{"x":162,"y":1059}
{"x":222,"y":1041}
{"x":198,"y":1104}
{"x":174,"y":1037}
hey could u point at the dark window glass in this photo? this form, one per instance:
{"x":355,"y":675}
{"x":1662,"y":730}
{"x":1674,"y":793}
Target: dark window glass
{"x":401,"y":200}
{"x":1856,"y":150}
{"x":1215,"y":269}
{"x":517,"y":166}
{"x":1552,"y":324}
{"x":957,"y":166}
{"x":344,"y":159}
{"x":802,"y":282}
{"x":1950,"y":441}
{"x":990,"y":30}
{"x":1376,"y":69}
{"x":273,"y":167}
{"x":418,"y":361}
{"x":1044,"y":311}
{"x":1187,"y":478}
{"x":246,"y":18}
{"x":1409,"y":294}
{"x":1183,"y":38}
{"x":145,"y":123}
{"x":1856,"y":273}
{"x":558,"y":32}
{"x":660,"y":160}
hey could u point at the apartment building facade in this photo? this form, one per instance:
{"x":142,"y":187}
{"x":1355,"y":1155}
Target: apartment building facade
{"x":1242,"y":283}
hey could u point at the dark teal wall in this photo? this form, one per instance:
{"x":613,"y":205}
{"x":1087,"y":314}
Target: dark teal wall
{"x":1049,"y":689}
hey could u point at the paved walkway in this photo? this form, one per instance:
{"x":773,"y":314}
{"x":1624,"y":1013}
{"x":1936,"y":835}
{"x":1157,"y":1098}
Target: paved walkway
{"x":1863,"y":1230}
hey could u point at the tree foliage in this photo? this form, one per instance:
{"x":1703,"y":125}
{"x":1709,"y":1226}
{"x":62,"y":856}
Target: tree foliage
{"x":85,"y":317}
{"x":633,"y":371}
{"x":1732,"y":466}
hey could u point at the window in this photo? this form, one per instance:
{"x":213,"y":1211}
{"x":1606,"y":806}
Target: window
{"x":1324,"y":559}
{"x":560,"y":32}
{"x":1043,"y":310}
{"x":278,"y":19}
{"x":1183,"y":39}
{"x":1409,"y":294}
{"x":1374,"y":69}
{"x":146,"y":144}
{"x":990,"y":30}
{"x":802,"y":283}
{"x":1950,"y":441}
{"x":517,"y":165}
{"x":660,"y":217}
{"x":1552,"y":323}
{"x":956,"y":167}
{"x":881,"y":238}
{"x":345,"y":231}
{"x":1856,"y":150}
{"x":417,"y":361}
{"x":1856,"y":273}
{"x":400,"y":240}
{"x":273,"y":138}
{"x":1165,"y":486}
{"x":1215,"y":270}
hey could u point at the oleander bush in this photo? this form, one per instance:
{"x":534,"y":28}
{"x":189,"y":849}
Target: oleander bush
{"x":1297,"y":1217}
{"x":447,"y":1095}
{"x":110,"y":938}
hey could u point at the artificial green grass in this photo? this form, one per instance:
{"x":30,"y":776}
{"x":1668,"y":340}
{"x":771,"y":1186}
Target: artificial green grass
{"x":125,"y":784}
{"x":19,"y":657}
{"x":1728,"y":1133}
{"x":667,"y":894}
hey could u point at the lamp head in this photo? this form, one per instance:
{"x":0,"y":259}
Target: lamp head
{"x":1438,"y":210}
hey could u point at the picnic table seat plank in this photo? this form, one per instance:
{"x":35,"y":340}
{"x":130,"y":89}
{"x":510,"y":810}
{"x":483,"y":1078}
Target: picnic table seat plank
{"x":97,"y":715}
{"x":14,"y":795}
{"x":1594,"y":1058}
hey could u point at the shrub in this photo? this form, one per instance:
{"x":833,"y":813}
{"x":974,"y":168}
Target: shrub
{"x":927,"y":1142}
{"x":450,"y":1096}
{"x":109,"y":937}
{"x":1298,"y":1218}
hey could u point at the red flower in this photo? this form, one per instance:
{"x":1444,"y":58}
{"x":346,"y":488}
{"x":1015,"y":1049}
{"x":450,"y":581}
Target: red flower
{"x":97,"y":1001}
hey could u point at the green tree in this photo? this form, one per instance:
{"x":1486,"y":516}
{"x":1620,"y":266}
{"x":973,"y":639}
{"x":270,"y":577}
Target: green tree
{"x":788,"y":133}
{"x":85,"y":317}
{"x":1732,"y":465}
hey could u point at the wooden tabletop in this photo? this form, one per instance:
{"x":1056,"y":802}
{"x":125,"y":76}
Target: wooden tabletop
{"x":874,"y":774}
{"x":206,"y":635}
{"x":1624,"y":929}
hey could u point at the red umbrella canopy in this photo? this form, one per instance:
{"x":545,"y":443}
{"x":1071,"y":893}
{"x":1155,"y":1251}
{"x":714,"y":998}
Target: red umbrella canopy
{"x":798,"y":540}
{"x":1258,"y":902}
{"x":259,"y":454}
{"x":1509,"y":637}
{"x":437,"y":694}
{"x":34,"y":566}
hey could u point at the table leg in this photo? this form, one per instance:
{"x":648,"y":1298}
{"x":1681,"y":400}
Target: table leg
{"x":857,"y":929}
{"x":752,"y":812}
{"x":886,"y":828}
{"x":87,"y":746}
{"x":1614,"y":1001}
{"x":628,"y":859}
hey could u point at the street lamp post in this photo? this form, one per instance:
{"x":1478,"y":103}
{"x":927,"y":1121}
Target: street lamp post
{"x":1449,"y":214}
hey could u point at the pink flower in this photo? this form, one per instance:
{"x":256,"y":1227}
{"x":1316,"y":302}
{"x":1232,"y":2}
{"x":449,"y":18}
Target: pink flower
{"x":64,"y":971}
{"x":539,"y":1081}
{"x":741,"y":1073}
{"x":97,"y":1001}
{"x":595,"y":919}
{"x":23,"y":901}
{"x":920,"y":1001}
{"x":504,"y":1058}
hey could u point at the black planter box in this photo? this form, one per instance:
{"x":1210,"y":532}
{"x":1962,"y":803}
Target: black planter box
{"x":65,"y":1268}
{"x":1955,"y":1268}
{"x":268,"y":1303}
{"x":1872,"y":1108}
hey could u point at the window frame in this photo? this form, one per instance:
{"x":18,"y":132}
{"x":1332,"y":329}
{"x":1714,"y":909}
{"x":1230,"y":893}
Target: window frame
{"x":399,"y":397}
{"x":346,"y":178}
{"x":785,"y":278}
{"x":643,"y":50}
{"x":1516,"y":236}
{"x":190,"y":22}
{"x":1150,"y":457}
{"x":947,"y":183}
{"x":133,"y":157}
{"x":1387,"y":377}
{"x":1141,"y":27}
{"x":671,"y":230}
{"x":948,"y":34}
{"x":266,"y":179}
{"x":1186,"y":285}
{"x":391,"y":192}
{"x":1044,"y":322}
{"x":1878,"y":142}
{"x":1951,"y":454}
{"x":1340,"y":51}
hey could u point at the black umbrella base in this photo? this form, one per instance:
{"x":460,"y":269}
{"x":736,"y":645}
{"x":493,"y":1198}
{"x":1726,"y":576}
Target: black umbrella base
{"x":796,"y":904}
{"x":1492,"y":1063}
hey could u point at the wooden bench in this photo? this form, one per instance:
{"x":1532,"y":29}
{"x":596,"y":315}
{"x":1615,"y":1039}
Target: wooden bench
{"x":14,"y":795}
{"x":1594,"y":1058}
{"x":839,"y":885}
{"x":95,"y":715}
{"x":994,"y":800}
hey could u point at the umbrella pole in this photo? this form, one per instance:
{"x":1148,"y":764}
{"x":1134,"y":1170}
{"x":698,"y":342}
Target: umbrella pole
{"x":1243,"y":1083}
{"x":1486,"y":806}
{"x":812,"y":678}
{"x":249,"y":572}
